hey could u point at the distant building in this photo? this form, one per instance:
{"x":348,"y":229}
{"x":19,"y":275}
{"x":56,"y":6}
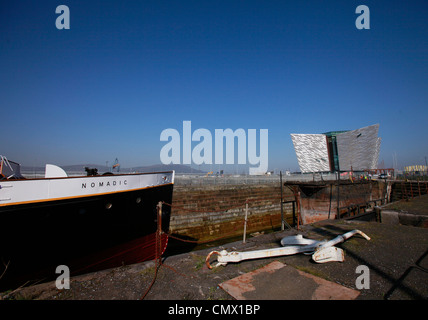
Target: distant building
{"x":415,"y":169}
{"x":334,"y":151}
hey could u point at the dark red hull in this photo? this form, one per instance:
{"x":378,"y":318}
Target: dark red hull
{"x":139,"y":250}
{"x":83,"y":234}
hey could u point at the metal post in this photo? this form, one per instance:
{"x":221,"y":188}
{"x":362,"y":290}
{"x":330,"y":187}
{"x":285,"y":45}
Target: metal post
{"x":245,"y":221}
{"x":329,"y":204}
{"x":419,"y":188}
{"x":282,"y":200}
{"x":294,"y":214}
{"x":338,"y":187}
{"x":298,"y":209}
{"x":159,"y":231}
{"x":159,"y":207}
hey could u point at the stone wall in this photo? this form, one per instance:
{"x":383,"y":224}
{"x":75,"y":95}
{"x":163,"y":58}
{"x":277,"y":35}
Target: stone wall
{"x":206,"y":213}
{"x":210,"y":212}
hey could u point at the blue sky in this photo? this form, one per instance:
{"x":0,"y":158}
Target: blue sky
{"x":126,"y":70}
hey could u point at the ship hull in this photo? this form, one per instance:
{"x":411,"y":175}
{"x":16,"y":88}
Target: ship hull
{"x":87,"y":232}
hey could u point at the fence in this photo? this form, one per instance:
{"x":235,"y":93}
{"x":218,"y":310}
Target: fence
{"x":202,"y":180}
{"x":404,"y":190}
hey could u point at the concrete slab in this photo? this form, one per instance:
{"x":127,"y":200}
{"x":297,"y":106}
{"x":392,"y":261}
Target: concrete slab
{"x":277,"y":281}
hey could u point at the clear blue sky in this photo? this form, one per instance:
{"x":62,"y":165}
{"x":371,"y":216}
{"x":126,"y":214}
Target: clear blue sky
{"x":126,"y":70}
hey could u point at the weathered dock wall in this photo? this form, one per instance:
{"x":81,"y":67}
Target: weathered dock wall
{"x":213,"y":211}
{"x":210,"y":212}
{"x":404,"y":190}
{"x":321,"y":200}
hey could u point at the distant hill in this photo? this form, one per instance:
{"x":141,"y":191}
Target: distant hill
{"x":179,"y":168}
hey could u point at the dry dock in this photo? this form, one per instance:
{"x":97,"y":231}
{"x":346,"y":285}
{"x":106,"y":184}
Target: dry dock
{"x":396,"y":258}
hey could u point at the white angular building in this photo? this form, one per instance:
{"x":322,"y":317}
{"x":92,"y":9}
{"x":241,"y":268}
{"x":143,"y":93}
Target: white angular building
{"x":356,"y":150}
{"x":311,"y":151}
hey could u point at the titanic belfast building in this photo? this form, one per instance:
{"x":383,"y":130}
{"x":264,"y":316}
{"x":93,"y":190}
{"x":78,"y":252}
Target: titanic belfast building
{"x":334,"y":151}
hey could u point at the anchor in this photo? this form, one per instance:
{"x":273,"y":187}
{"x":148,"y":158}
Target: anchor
{"x":322,"y":251}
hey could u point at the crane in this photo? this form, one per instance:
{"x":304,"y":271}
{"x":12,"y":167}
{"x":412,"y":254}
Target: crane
{"x":116,"y":165}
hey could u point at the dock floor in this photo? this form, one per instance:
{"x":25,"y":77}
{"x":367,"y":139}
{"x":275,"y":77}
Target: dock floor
{"x":396,"y":257}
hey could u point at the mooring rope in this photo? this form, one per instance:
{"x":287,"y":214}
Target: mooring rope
{"x":158,"y":249}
